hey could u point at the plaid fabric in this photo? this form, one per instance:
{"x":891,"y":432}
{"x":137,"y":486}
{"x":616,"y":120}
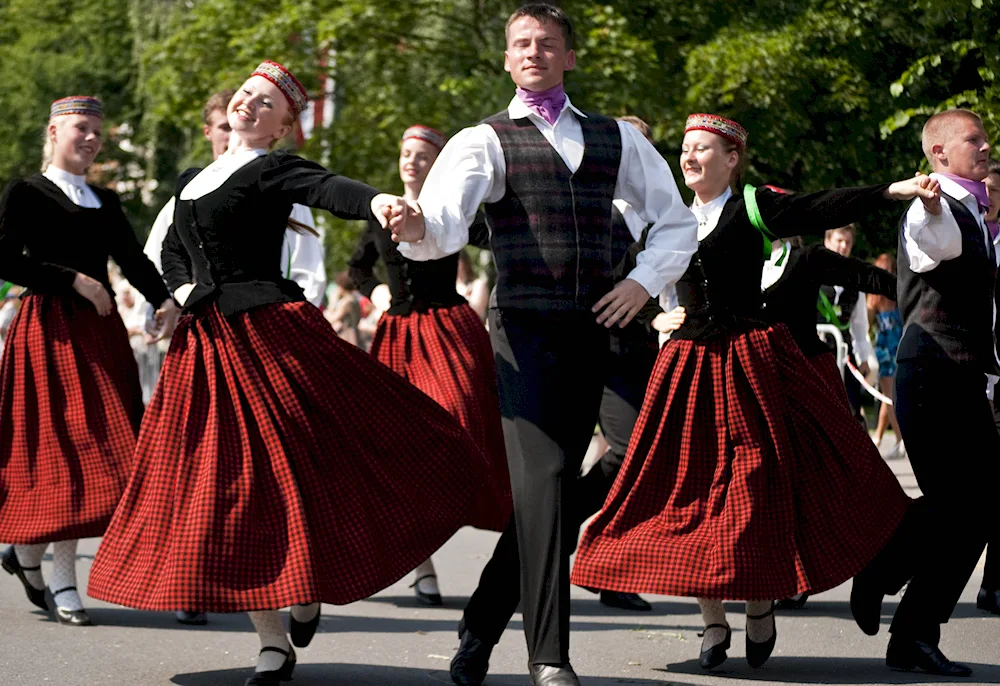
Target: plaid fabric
{"x":446,"y":353}
{"x":280,"y":465}
{"x":70,"y":407}
{"x":745,"y":479}
{"x":824,"y":366}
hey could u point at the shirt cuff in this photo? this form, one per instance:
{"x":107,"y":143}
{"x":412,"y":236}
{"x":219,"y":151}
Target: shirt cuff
{"x":647,"y":277}
{"x":183,"y":293}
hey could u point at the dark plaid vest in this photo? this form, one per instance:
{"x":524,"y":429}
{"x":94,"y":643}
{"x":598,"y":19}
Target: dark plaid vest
{"x":551,"y":232}
{"x":948,"y":311}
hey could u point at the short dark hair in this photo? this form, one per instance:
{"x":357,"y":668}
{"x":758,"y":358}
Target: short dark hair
{"x":543,"y":12}
{"x":995,"y":167}
{"x":218,"y":101}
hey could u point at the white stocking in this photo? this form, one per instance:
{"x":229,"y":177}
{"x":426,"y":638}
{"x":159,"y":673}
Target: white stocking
{"x":712,"y":612}
{"x":271,"y":633}
{"x":64,"y":575}
{"x":31,"y":556}
{"x":759,"y":630}
{"x":428,"y":585}
{"x":304,"y":613}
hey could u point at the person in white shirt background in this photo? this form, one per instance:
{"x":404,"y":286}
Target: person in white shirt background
{"x":302,"y":256}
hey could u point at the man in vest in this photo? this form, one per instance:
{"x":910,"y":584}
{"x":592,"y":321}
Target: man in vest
{"x":947,"y":274}
{"x":548,"y":174}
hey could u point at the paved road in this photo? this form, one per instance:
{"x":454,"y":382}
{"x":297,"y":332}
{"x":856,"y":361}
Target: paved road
{"x":389,"y":640}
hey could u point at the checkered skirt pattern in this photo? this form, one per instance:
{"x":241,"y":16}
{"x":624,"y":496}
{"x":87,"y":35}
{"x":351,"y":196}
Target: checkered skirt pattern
{"x":278,"y":465}
{"x":446,"y":353}
{"x":824,"y":366}
{"x":70,"y":407}
{"x":745,"y":479}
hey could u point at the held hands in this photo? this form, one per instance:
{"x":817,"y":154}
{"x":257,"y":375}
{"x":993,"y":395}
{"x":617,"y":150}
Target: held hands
{"x":400,"y":216}
{"x":94,"y":291}
{"x":166,"y":319}
{"x":382,"y":297}
{"x":665,"y":322}
{"x":920,"y":186}
{"x":621,"y":304}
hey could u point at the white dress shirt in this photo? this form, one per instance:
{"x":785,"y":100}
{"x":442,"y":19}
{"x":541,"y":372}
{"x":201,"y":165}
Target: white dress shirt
{"x":302,"y":255}
{"x":74,"y":186}
{"x":930,"y":239}
{"x":860,"y":336}
{"x":472,"y":170}
{"x":709,"y":213}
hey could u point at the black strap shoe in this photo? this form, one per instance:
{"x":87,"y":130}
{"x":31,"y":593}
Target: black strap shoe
{"x":67,"y":616}
{"x":758,"y":653}
{"x":302,"y":632}
{"x":625,"y":601}
{"x":714,"y":656}
{"x":553,"y":675}
{"x":275,"y":676}
{"x":866,"y":604}
{"x":429,"y":599}
{"x":989,"y":601}
{"x":907,"y":655}
{"x":796,"y":602}
{"x":191,"y":618}
{"x":472,"y":661}
{"x":12,"y":566}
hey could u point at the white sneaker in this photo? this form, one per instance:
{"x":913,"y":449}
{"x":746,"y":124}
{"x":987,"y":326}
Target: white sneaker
{"x":898,"y":452}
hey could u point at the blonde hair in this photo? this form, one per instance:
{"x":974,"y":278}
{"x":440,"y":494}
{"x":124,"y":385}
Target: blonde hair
{"x":48,"y":147}
{"x":940,"y":125}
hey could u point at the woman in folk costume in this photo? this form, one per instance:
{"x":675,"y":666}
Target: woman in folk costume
{"x":271,"y":469}
{"x":745,"y":478}
{"x":70,"y":400}
{"x":432,"y":337}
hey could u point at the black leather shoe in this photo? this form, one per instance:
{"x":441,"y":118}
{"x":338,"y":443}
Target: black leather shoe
{"x":907,"y":654}
{"x":12,"y":566}
{"x":67,"y":616}
{"x":625,"y":601}
{"x":711,"y":658}
{"x":758,"y":653}
{"x":429,"y":599}
{"x":302,"y":632}
{"x":866,"y":605}
{"x":275,"y":676}
{"x":191,"y":618}
{"x":794,"y":603}
{"x":989,"y":601}
{"x":553,"y":675}
{"x":472,"y":661}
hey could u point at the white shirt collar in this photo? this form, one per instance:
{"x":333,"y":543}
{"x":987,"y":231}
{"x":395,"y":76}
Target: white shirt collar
{"x":951,"y":188}
{"x":214,"y":175}
{"x":55,"y":174}
{"x":518,"y":110}
{"x":708,"y":214}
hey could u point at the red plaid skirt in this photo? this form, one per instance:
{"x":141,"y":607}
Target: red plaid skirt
{"x":70,"y":407}
{"x":825,"y":367}
{"x":446,"y":353}
{"x":278,"y":464}
{"x":745,"y":479}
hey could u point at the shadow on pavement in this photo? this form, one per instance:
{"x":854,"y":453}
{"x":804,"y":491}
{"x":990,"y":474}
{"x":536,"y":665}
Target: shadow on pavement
{"x":841,"y":608}
{"x":372,"y":675}
{"x":582,"y":607}
{"x":827,"y":670}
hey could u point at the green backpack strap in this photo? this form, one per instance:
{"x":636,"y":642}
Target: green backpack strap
{"x":753,"y":212}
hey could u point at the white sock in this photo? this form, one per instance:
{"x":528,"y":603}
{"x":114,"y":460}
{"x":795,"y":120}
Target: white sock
{"x":304,"y":613}
{"x":429,"y":584}
{"x":271,"y":633}
{"x":64,"y":575}
{"x":31,"y":556}
{"x":712,"y":612}
{"x":759,"y":630}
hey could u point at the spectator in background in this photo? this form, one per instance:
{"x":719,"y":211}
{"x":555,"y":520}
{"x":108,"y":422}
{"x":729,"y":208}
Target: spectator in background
{"x":884,"y":313}
{"x":472,"y":287}
{"x":344,"y":311}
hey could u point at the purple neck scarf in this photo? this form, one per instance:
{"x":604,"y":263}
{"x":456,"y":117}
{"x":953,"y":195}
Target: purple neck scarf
{"x":976,"y":188}
{"x":546,"y":104}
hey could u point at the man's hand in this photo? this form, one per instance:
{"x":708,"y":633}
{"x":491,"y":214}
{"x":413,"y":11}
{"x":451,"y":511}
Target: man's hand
{"x":665,"y":322}
{"x":920,"y":186}
{"x":408,"y":226}
{"x":386,"y":206}
{"x":621,"y":304}
{"x":166,"y":319}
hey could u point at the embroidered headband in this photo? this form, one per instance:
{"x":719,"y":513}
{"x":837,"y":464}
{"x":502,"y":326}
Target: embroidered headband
{"x":720,"y":126}
{"x":77,"y":104}
{"x":284,"y":80}
{"x":425,"y":133}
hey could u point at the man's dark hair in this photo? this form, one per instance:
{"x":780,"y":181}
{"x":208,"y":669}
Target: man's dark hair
{"x":995,"y":167}
{"x":542,"y":12}
{"x":218,"y":101}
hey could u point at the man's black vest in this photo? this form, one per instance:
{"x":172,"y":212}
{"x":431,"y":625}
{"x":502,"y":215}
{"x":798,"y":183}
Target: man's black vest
{"x":551,"y":232}
{"x":948,"y":311}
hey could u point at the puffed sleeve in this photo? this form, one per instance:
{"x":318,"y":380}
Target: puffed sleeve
{"x":124,"y":248}
{"x":297,"y":180}
{"x":15,"y":265}
{"x":361,"y":265}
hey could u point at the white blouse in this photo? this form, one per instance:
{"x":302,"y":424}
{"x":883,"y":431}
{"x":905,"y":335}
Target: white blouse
{"x":74,"y":186}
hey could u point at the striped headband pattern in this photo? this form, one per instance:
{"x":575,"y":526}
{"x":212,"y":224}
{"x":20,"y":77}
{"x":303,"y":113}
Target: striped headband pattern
{"x":721,"y":126}
{"x":284,"y":80}
{"x":425,"y":133}
{"x":77,"y":104}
